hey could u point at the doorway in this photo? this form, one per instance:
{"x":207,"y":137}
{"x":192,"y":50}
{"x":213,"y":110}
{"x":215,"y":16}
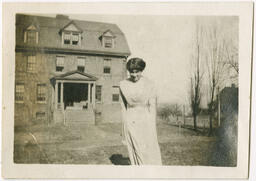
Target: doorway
{"x":75,"y":96}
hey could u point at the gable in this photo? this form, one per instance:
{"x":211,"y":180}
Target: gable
{"x":32,"y":27}
{"x":71,"y":27}
{"x":108,"y":33}
{"x":77,"y":76}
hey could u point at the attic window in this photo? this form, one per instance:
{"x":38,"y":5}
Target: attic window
{"x":31,"y":35}
{"x":75,"y":38}
{"x":71,"y":38}
{"x":108,"y":42}
{"x":108,"y":39}
{"x":67,"y":38}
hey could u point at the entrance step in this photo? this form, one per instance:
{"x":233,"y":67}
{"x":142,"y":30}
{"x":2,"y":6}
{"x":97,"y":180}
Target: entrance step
{"x":80,"y":117}
{"x":58,"y":116}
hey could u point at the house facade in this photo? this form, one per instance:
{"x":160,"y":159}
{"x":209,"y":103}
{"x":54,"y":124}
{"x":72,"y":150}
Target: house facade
{"x":68,"y":70}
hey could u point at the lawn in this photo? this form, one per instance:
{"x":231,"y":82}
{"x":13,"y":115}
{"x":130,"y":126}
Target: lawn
{"x":102,"y":144}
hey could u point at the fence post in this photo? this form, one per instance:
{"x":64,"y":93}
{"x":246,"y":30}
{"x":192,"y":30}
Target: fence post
{"x":184,"y":116}
{"x":218,"y":106}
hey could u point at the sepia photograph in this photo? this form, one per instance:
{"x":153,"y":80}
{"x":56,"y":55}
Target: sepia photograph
{"x":129,"y":90}
{"x":70,"y":73}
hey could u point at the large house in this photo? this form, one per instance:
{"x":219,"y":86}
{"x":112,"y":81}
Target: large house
{"x":68,"y":70}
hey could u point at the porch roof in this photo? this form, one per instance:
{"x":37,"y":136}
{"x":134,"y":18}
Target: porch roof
{"x":75,"y":75}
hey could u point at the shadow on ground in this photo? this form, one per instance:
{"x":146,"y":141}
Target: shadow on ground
{"x":118,"y":159}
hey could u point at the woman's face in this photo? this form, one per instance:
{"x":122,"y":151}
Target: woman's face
{"x":135,"y":75}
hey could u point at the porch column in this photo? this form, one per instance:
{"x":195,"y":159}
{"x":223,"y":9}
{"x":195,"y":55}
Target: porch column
{"x":61,"y":95}
{"x":56,"y":94}
{"x":93,"y":94}
{"x":89,"y":92}
{"x":52,"y":96}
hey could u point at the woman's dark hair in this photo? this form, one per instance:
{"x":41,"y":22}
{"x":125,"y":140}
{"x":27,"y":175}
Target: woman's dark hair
{"x":135,"y":64}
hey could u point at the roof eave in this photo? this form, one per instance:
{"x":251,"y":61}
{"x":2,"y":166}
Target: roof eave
{"x":75,"y":51}
{"x":60,"y":78}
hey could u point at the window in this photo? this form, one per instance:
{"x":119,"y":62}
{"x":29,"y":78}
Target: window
{"x":31,"y":66}
{"x":67,"y":38}
{"x":108,"y":42}
{"x":98,"y":93}
{"x":31,"y":36}
{"x":106,"y":70}
{"x":71,"y":38}
{"x":115,"y":95}
{"x":107,"y":66}
{"x":80,"y":69}
{"x":40,"y":115}
{"x":41,"y":92}
{"x":59,"y":63}
{"x":19,"y":93}
{"x":75,"y":38}
{"x":80,"y":64}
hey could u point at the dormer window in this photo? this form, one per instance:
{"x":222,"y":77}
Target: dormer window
{"x":67,"y":38}
{"x":108,"y":42}
{"x":108,"y":39}
{"x":75,"y":38}
{"x":71,"y":34}
{"x":31,"y":35}
{"x":71,"y":38}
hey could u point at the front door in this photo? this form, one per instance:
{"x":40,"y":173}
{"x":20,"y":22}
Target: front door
{"x":75,"y":96}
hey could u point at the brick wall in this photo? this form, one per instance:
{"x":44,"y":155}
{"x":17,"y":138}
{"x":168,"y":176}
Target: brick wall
{"x":26,"y":113}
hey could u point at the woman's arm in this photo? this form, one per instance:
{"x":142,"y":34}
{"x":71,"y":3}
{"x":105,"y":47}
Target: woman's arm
{"x":124,"y":101}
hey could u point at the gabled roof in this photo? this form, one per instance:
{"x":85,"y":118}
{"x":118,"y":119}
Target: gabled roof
{"x":32,"y":27}
{"x":71,"y":26}
{"x":50,"y":38}
{"x":109,"y":33}
{"x":75,"y":75}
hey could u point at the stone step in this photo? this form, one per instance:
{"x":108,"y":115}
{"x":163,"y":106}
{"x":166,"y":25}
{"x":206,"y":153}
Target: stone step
{"x":79,"y":116}
{"x":58,"y":116}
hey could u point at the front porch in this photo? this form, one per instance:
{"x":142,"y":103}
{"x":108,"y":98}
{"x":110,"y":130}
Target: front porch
{"x":74,"y":98}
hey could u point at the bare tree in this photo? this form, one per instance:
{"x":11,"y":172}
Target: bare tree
{"x":214,"y":63}
{"x":167,"y":110}
{"x":176,"y":111}
{"x":164,"y":111}
{"x":196,"y":78}
{"x":231,"y":58}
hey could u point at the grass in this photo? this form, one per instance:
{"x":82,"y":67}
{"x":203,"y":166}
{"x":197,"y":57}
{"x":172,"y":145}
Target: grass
{"x":102,"y":145}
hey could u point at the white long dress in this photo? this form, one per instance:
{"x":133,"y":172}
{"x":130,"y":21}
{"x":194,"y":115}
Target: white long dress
{"x":139,"y":121}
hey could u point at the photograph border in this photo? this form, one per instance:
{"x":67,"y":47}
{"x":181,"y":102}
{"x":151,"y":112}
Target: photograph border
{"x":242,"y":9}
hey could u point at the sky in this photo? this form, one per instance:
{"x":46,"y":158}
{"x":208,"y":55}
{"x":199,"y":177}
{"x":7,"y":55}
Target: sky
{"x":165,"y":43}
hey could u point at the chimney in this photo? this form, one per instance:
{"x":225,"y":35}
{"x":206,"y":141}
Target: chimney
{"x":61,"y":16}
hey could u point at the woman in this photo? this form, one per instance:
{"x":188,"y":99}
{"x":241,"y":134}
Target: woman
{"x":139,"y":116}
